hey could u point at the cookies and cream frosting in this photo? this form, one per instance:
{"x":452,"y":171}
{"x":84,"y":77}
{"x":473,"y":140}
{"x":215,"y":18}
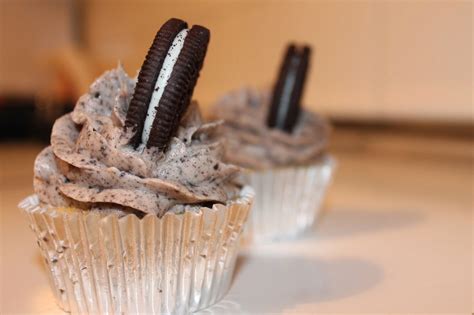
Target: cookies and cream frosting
{"x":252,"y":144}
{"x":90,"y":164}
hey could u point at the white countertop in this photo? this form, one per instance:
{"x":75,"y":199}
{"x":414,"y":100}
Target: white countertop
{"x":395,"y":237}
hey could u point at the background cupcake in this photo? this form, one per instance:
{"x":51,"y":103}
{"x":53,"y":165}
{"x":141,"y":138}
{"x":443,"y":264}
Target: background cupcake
{"x":135,"y":211}
{"x":284,"y":148}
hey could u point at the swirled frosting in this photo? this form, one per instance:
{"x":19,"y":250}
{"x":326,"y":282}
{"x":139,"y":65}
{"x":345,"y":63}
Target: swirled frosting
{"x":251,"y":144}
{"x":91,"y":166}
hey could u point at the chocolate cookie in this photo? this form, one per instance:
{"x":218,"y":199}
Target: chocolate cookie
{"x":285,"y":102}
{"x":165,"y":83}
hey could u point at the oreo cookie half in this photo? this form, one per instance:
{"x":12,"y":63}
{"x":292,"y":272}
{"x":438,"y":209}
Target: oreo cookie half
{"x":285,"y":104}
{"x":166,"y":83}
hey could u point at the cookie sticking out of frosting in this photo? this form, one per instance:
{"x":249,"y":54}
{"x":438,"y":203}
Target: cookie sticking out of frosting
{"x":166,"y":83}
{"x":285,"y":104}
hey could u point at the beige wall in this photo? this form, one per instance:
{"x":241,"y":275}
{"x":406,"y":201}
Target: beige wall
{"x":30,"y":32}
{"x":373,"y":59}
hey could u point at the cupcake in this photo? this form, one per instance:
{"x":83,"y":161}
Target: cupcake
{"x":283,"y":146}
{"x":134,"y":209}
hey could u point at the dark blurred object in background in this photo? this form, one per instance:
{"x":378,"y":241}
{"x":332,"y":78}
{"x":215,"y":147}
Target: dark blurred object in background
{"x":24,"y":118}
{"x":17,"y":118}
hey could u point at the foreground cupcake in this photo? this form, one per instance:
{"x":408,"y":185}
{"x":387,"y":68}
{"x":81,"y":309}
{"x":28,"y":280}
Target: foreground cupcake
{"x":135,"y":211}
{"x":283,"y":146}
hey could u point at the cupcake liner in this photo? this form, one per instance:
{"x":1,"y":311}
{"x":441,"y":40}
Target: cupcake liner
{"x":101,"y":263}
{"x":287,"y":200}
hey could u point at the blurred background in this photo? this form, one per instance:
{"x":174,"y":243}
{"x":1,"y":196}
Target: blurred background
{"x":394,"y":77}
{"x":374,"y":61}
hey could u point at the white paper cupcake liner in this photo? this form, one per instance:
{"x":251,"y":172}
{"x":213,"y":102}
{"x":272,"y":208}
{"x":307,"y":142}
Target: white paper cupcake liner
{"x":106,"y":264}
{"x":287,"y":200}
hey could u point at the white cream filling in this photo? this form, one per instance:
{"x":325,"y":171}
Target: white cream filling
{"x":162,"y":81}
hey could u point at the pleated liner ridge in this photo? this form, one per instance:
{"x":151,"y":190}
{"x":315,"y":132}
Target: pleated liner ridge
{"x":287,"y":200}
{"x":106,"y":264}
